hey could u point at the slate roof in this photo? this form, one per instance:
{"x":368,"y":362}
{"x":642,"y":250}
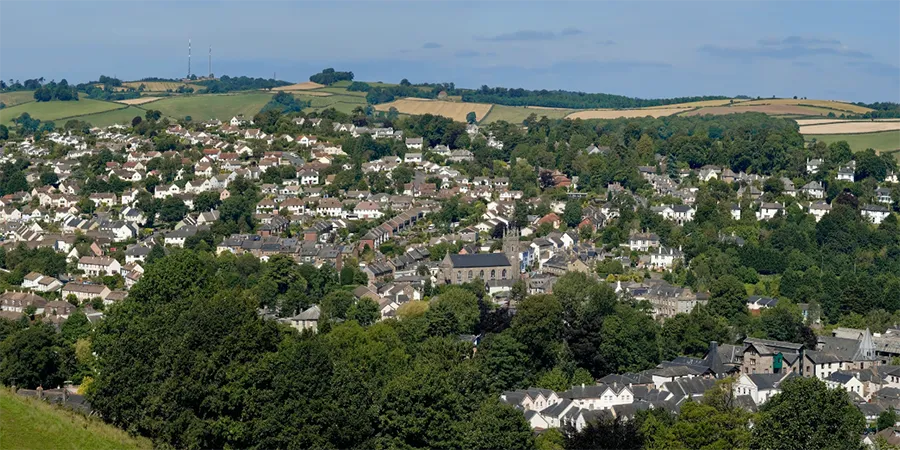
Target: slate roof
{"x":479,"y":260}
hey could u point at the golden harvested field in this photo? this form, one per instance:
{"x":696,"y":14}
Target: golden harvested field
{"x":623,"y":113}
{"x":804,"y":122}
{"x":828,"y":104}
{"x":305,"y":86}
{"x":774,"y":110}
{"x":698,"y":104}
{"x":548,"y":108}
{"x":454,"y":110}
{"x":138,"y":101}
{"x":849,"y":127}
{"x":160,"y":86}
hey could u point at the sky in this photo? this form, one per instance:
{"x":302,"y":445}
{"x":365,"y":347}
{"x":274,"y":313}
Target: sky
{"x":825,"y":50}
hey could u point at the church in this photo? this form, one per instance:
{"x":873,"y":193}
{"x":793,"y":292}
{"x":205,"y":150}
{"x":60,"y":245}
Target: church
{"x":459,"y":269}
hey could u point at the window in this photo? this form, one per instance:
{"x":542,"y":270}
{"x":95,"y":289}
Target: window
{"x":470,"y":275}
{"x":493,"y":274}
{"x":459,"y":277}
{"x":503,"y":274}
{"x":481,"y":274}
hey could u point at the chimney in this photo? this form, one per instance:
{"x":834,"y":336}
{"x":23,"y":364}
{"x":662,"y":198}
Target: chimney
{"x":713,"y":346}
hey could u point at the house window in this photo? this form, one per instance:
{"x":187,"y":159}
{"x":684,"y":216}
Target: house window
{"x":503,"y":274}
{"x":459,"y":277}
{"x":493,"y":274}
{"x":470,"y":275}
{"x":481,"y":274}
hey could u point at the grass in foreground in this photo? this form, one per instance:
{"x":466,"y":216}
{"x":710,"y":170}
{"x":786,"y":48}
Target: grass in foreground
{"x":882,"y":141}
{"x":56,"y":110}
{"x":27,"y":424}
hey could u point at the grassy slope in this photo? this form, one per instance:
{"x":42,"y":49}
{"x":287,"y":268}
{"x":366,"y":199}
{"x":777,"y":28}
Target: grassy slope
{"x":882,"y":141}
{"x":517,"y":114}
{"x":57,"y":110}
{"x":16,"y":98}
{"x":340,"y":102}
{"x":30,"y":424}
{"x":105,"y":119}
{"x":203,"y":107}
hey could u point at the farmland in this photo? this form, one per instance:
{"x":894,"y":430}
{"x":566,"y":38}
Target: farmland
{"x":138,"y":101}
{"x":620,"y":113}
{"x":203,"y":107}
{"x":306,"y":86}
{"x":517,"y":114}
{"x":850,"y":127}
{"x":454,"y":110}
{"x":342,"y":103}
{"x":31,"y":424}
{"x":883,"y":141}
{"x":773,"y":109}
{"x":826,"y":104}
{"x":16,"y":98}
{"x":104,"y":119}
{"x":56,"y":110}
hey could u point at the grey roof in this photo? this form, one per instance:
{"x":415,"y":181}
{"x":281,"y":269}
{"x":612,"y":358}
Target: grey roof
{"x":312,"y":313}
{"x":479,"y":260}
{"x":768,"y":380}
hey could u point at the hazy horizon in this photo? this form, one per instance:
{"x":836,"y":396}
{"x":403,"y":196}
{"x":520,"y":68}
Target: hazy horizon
{"x":827,"y":50}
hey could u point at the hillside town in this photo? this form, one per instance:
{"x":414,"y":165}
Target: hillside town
{"x":111,"y":201}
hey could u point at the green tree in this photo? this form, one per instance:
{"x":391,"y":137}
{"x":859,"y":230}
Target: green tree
{"x":538,"y":325}
{"x":887,"y":419}
{"x":470,"y":117}
{"x":206,"y":201}
{"x":75,"y":327}
{"x":504,"y":361}
{"x":496,"y":425}
{"x":462,"y":304}
{"x":32,"y":357}
{"x":572,"y":214}
{"x":365,"y":311}
{"x":807,"y":414}
{"x":4,"y":132}
{"x":172,"y":209}
{"x":728,"y":297}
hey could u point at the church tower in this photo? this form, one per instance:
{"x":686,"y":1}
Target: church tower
{"x":511,"y":250}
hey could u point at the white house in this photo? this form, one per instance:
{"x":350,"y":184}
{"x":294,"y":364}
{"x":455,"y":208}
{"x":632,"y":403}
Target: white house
{"x":99,"y":265}
{"x":308,"y":177}
{"x":760,"y":386}
{"x":875,"y":213}
{"x":813,"y":189}
{"x":819,"y":209}
{"x":368,"y":210}
{"x":768,"y":210}
{"x":665,"y":258}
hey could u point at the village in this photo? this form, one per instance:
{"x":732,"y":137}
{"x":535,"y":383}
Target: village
{"x":405,"y":241}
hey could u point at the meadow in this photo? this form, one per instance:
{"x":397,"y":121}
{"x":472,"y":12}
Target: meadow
{"x":517,"y":114}
{"x":35,"y":425}
{"x":204,"y":107}
{"x":117,"y":116}
{"x":56,"y":110}
{"x":850,"y":127}
{"x":825,"y":104}
{"x":883,"y":142}
{"x":16,"y":98}
{"x":305,"y":86}
{"x":771,"y":109}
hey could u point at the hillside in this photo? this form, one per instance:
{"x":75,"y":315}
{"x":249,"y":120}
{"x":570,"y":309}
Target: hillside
{"x":31,"y":424}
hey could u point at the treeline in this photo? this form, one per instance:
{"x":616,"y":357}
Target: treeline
{"x":569,"y":99}
{"x":242,"y":83}
{"x":385,"y":94}
{"x":882,"y":110}
{"x":16,"y":85}
{"x":285,"y":103}
{"x":56,"y":91}
{"x":329,"y":76}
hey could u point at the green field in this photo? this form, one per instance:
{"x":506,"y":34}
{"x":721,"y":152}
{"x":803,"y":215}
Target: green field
{"x":341,"y":91}
{"x":881,"y":141}
{"x":55,"y":110}
{"x":517,"y":114}
{"x":31,"y":424}
{"x":16,"y":98}
{"x":204,"y":107}
{"x":342,"y":103}
{"x":107,"y":118}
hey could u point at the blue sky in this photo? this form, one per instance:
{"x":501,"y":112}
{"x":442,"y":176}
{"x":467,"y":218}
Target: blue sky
{"x":834,"y":50}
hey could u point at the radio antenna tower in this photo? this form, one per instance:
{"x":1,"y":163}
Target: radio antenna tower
{"x":189,"y":58}
{"x":209,"y":71}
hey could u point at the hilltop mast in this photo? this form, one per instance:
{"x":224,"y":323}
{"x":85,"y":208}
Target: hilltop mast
{"x":189,"y":58}
{"x":209,"y":70}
